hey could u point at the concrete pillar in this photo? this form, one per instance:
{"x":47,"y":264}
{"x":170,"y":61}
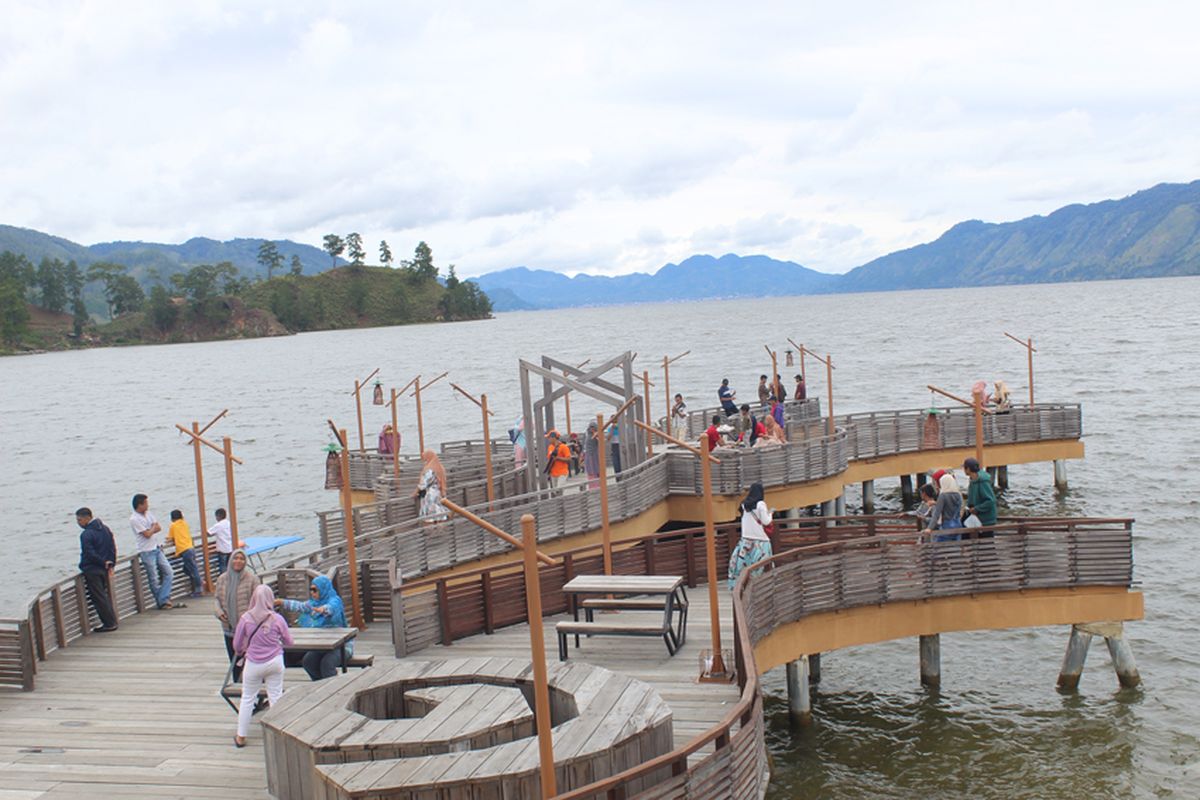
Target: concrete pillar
{"x":1060,"y":474}
{"x":868,"y":490}
{"x":828,"y":508}
{"x":799,"y":700}
{"x":1002,"y":477}
{"x":906,"y":491}
{"x":839,"y":504}
{"x":1072,"y":668}
{"x":814,"y":668}
{"x":1122,"y":660}
{"x":931,"y":661}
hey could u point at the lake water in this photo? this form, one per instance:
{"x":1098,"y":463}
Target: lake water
{"x":94,"y":427}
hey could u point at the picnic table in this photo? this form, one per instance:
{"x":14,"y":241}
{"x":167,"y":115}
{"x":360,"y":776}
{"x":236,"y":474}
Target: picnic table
{"x":665,"y":593}
{"x":303,"y":640}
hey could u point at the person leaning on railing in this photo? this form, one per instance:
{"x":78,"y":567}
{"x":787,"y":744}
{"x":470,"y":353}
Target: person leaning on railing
{"x":97,"y":555}
{"x":981,"y":498}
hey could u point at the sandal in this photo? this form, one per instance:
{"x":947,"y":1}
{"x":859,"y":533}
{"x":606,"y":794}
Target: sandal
{"x":236,"y":743}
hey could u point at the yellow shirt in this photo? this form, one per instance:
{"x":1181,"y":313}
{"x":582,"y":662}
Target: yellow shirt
{"x":182,"y":535}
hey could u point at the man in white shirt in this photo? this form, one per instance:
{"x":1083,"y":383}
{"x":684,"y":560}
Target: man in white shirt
{"x":148,"y":535}
{"x":223,"y":535}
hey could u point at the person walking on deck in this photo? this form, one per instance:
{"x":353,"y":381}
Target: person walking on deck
{"x":259,"y":638}
{"x":558,"y":459}
{"x":801,"y":392}
{"x":222,"y":534}
{"x":981,"y":498}
{"x":726,"y":396}
{"x":764,"y":393}
{"x":97,"y":555}
{"x":431,"y":487}
{"x":678,"y":422}
{"x":322,"y":609}
{"x":185,"y":550}
{"x":591,"y":456}
{"x":232,"y":594}
{"x":755,"y":544}
{"x":149,"y":537}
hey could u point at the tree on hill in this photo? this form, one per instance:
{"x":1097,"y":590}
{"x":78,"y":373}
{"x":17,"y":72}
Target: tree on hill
{"x":51,"y":281}
{"x":75,"y":281}
{"x":297,"y":267}
{"x":422,"y":264}
{"x":200,"y":285}
{"x":334,"y":246}
{"x":463,"y":299}
{"x":122,"y":292}
{"x":270,"y":258}
{"x":354,"y":249}
{"x":385,"y":254}
{"x":15,"y":275}
{"x":162,"y":312}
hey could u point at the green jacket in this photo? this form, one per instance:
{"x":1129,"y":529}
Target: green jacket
{"x":982,"y":498}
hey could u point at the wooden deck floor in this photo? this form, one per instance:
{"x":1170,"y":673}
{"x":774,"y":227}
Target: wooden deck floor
{"x":135,"y":714}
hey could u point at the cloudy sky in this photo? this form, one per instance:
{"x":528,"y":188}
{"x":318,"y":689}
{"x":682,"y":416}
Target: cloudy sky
{"x":601,"y":137}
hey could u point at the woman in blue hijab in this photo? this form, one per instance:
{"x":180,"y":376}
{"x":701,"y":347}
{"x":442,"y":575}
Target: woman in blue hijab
{"x":323,"y":609}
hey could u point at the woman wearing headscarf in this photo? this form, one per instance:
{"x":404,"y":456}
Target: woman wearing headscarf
{"x":259,"y":638}
{"x":1000,"y":399}
{"x":772,"y":432}
{"x":591,"y":456}
{"x":947,"y":511}
{"x":431,"y":486}
{"x":754,"y":545}
{"x":322,"y":609}
{"x":233,"y":592}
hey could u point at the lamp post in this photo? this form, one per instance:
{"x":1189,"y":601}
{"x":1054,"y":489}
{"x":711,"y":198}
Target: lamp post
{"x":348,"y":526}
{"x":977,"y":405}
{"x":667,"y":362}
{"x":646,"y":384}
{"x":1030,"y":350}
{"x":358,"y":406}
{"x":828,"y":362}
{"x":196,"y":433}
{"x":718,"y":671}
{"x":226,"y":450}
{"x":537,"y":648}
{"x":487,"y":440}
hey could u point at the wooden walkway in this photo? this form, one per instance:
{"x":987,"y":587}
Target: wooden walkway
{"x":135,"y":714}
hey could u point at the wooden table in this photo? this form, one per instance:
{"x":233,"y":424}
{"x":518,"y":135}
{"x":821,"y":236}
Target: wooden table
{"x":654,"y":592}
{"x":324,"y":639}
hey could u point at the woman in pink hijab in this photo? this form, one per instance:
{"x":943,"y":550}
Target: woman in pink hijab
{"x":431,"y":487}
{"x":259,"y":639}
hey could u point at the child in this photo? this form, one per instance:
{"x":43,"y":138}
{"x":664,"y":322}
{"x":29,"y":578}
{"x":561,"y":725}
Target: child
{"x":184,"y":550}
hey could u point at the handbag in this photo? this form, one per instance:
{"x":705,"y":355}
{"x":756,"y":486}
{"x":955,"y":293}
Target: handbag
{"x":239,"y":661}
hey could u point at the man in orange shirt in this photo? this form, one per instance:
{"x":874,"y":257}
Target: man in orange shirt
{"x":558,"y":459}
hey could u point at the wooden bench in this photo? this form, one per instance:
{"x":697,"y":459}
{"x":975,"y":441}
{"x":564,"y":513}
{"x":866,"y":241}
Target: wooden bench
{"x":231,"y":693}
{"x":362,"y":661}
{"x":591,"y":604}
{"x":576,"y":629}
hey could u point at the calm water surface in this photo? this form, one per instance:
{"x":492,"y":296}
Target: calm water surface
{"x":94,"y":427}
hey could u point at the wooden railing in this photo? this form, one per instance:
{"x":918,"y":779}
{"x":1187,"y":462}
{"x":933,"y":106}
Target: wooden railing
{"x":369,"y":465}
{"x":806,"y":410}
{"x":840,"y":575}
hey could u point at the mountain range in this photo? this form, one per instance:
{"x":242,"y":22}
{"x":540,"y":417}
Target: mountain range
{"x":1153,"y":233}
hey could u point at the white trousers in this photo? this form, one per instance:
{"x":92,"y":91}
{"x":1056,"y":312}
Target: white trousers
{"x":254,"y":676}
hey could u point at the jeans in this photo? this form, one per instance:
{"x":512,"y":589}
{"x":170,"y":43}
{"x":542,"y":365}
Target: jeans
{"x":158,"y":575}
{"x":237,"y":671}
{"x":256,"y":674}
{"x":97,"y":591}
{"x":222,"y":561}
{"x":321,"y":664}
{"x":188,"y":560}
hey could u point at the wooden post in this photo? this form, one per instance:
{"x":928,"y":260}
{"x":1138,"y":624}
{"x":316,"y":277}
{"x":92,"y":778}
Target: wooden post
{"x":567,"y":405}
{"x":1060,"y":474}
{"x":358,"y":407}
{"x":829,"y":388}
{"x":1029,"y":346}
{"x":487,"y":449}
{"x":799,"y":699}
{"x":931,"y":661}
{"x":646,"y":400}
{"x":208,"y":585}
{"x":718,"y":670}
{"x":667,"y":394}
{"x":537,"y":647}
{"x":978,"y":398}
{"x":1122,"y":661}
{"x":814,"y":667}
{"x":605,"y":530}
{"x":348,"y":529}
{"x":868,"y":495}
{"x":232,"y":497}
{"x":1072,"y":667}
{"x":395,"y":446}
{"x":906,"y":491}
{"x":420,"y":423}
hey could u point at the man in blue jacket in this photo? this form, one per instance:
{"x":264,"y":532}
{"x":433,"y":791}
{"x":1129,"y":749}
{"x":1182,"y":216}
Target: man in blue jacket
{"x":97,"y":554}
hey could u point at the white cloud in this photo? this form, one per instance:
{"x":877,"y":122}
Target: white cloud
{"x":607,"y":139}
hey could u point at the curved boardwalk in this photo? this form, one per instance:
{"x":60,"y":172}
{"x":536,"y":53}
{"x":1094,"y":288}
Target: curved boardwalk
{"x":135,"y":713}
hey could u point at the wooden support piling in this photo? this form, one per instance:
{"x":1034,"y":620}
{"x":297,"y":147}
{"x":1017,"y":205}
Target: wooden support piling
{"x":1060,"y":474}
{"x":931,"y":660}
{"x":906,"y":491}
{"x":868,"y":497}
{"x":1122,"y":661}
{"x":1072,"y":667}
{"x":1002,"y":477}
{"x":799,"y":698}
{"x":814,"y":668}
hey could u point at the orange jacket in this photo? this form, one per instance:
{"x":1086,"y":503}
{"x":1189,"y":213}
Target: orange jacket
{"x":560,"y":466}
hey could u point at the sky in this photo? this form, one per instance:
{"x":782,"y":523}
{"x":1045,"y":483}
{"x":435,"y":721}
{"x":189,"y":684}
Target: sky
{"x":605,"y":138}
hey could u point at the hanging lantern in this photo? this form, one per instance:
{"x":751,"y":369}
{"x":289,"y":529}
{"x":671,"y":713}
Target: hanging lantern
{"x":378,"y":393}
{"x":333,"y":467}
{"x":790,"y":359}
